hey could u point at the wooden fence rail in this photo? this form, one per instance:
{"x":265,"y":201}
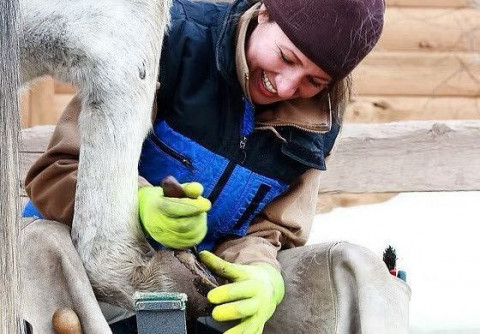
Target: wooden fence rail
{"x":406,"y":156}
{"x":390,"y":157}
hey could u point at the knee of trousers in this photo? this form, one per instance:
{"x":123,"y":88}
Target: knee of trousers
{"x":341,"y":286}
{"x":323,"y":259}
{"x":41,"y":237}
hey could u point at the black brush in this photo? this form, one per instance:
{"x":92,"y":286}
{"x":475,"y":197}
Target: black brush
{"x":390,"y":258}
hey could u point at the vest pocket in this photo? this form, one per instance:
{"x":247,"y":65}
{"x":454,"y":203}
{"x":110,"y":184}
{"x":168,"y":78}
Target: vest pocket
{"x":167,"y":152}
{"x":171,"y":152}
{"x":241,"y":197}
{"x":253,"y":206}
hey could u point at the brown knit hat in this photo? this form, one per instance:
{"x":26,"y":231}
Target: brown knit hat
{"x":334,"y":34}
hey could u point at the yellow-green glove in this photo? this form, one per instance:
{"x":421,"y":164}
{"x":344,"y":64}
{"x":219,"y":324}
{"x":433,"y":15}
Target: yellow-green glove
{"x":256,"y":291}
{"x":178,"y":223}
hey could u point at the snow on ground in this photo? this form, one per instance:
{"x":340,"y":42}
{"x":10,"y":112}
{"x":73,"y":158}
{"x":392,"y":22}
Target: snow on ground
{"x":437,"y":240}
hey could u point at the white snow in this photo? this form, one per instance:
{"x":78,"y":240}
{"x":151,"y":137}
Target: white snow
{"x":436,"y":237}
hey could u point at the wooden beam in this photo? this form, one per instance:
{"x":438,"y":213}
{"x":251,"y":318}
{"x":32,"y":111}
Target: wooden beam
{"x":392,"y":157}
{"x":326,"y":202}
{"x":381,"y":109}
{"x":36,"y":139}
{"x":433,"y":3}
{"x":405,"y":156}
{"x":419,"y":73}
{"x":431,"y":29}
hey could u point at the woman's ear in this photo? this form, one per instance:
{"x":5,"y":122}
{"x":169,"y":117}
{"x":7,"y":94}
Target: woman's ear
{"x":263,"y":16}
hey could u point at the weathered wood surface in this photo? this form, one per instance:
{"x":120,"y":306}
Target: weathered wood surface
{"x":25,"y":109}
{"x":406,"y":156}
{"x":60,"y":102}
{"x":433,"y":3}
{"x":419,"y":74}
{"x":326,"y":202}
{"x":64,"y":88}
{"x":392,"y":157}
{"x":44,"y":101}
{"x":433,"y":29}
{"x":379,"y":109}
{"x":41,"y":101}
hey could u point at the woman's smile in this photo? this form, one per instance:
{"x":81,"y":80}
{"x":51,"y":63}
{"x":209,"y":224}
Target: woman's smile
{"x":267,"y":84}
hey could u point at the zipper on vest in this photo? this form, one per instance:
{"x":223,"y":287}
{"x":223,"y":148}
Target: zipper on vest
{"x":247,"y":126}
{"x":243,"y":143}
{"x":171,"y":152}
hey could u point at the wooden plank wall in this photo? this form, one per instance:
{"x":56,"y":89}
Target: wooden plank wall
{"x":426,"y":65}
{"x":44,"y":102}
{"x":425,"y":68}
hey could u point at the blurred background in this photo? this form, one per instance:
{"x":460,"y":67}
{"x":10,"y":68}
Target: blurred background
{"x":410,"y":147}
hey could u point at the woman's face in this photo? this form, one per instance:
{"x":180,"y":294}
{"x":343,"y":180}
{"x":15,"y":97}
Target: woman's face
{"x":278,"y":70}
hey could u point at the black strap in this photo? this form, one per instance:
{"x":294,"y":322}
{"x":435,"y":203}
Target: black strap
{"x":257,"y":199}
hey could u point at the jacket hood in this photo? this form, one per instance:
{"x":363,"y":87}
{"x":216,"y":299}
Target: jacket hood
{"x":304,"y":114}
{"x":224,"y":53}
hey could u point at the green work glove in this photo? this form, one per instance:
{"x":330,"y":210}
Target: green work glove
{"x":256,"y":291}
{"x":178,"y":223}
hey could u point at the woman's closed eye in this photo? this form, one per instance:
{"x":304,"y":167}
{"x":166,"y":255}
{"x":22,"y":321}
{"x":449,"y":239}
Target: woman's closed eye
{"x":285,"y":58}
{"x":316,"y":83}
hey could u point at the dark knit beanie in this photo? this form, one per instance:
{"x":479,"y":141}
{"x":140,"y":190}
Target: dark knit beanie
{"x":335,"y":34}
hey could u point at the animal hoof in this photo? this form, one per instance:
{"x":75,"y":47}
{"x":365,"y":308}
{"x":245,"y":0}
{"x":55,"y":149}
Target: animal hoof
{"x":181,"y":271}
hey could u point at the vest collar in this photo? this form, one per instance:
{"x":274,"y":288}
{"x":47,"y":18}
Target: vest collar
{"x":224,"y":52}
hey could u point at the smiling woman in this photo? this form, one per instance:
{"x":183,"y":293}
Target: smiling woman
{"x":278,"y":69}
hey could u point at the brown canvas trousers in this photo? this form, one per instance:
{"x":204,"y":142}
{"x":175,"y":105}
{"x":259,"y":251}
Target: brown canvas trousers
{"x":330,"y":288}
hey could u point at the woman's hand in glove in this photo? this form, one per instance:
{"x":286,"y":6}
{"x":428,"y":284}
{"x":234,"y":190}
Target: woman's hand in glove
{"x":178,"y":223}
{"x":252,"y":296}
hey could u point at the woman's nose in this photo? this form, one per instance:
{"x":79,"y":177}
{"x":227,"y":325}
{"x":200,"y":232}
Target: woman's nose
{"x":287,"y":85}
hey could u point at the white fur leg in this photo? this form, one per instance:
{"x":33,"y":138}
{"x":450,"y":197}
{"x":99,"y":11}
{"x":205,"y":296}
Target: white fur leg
{"x":111,"y":50}
{"x":10,"y":278}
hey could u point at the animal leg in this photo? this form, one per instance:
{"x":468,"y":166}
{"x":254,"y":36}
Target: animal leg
{"x":10,"y":280}
{"x":110,"y":50}
{"x":115,"y":69}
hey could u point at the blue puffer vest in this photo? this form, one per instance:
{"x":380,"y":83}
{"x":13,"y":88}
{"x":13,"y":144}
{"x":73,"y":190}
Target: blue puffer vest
{"x":204,"y":130}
